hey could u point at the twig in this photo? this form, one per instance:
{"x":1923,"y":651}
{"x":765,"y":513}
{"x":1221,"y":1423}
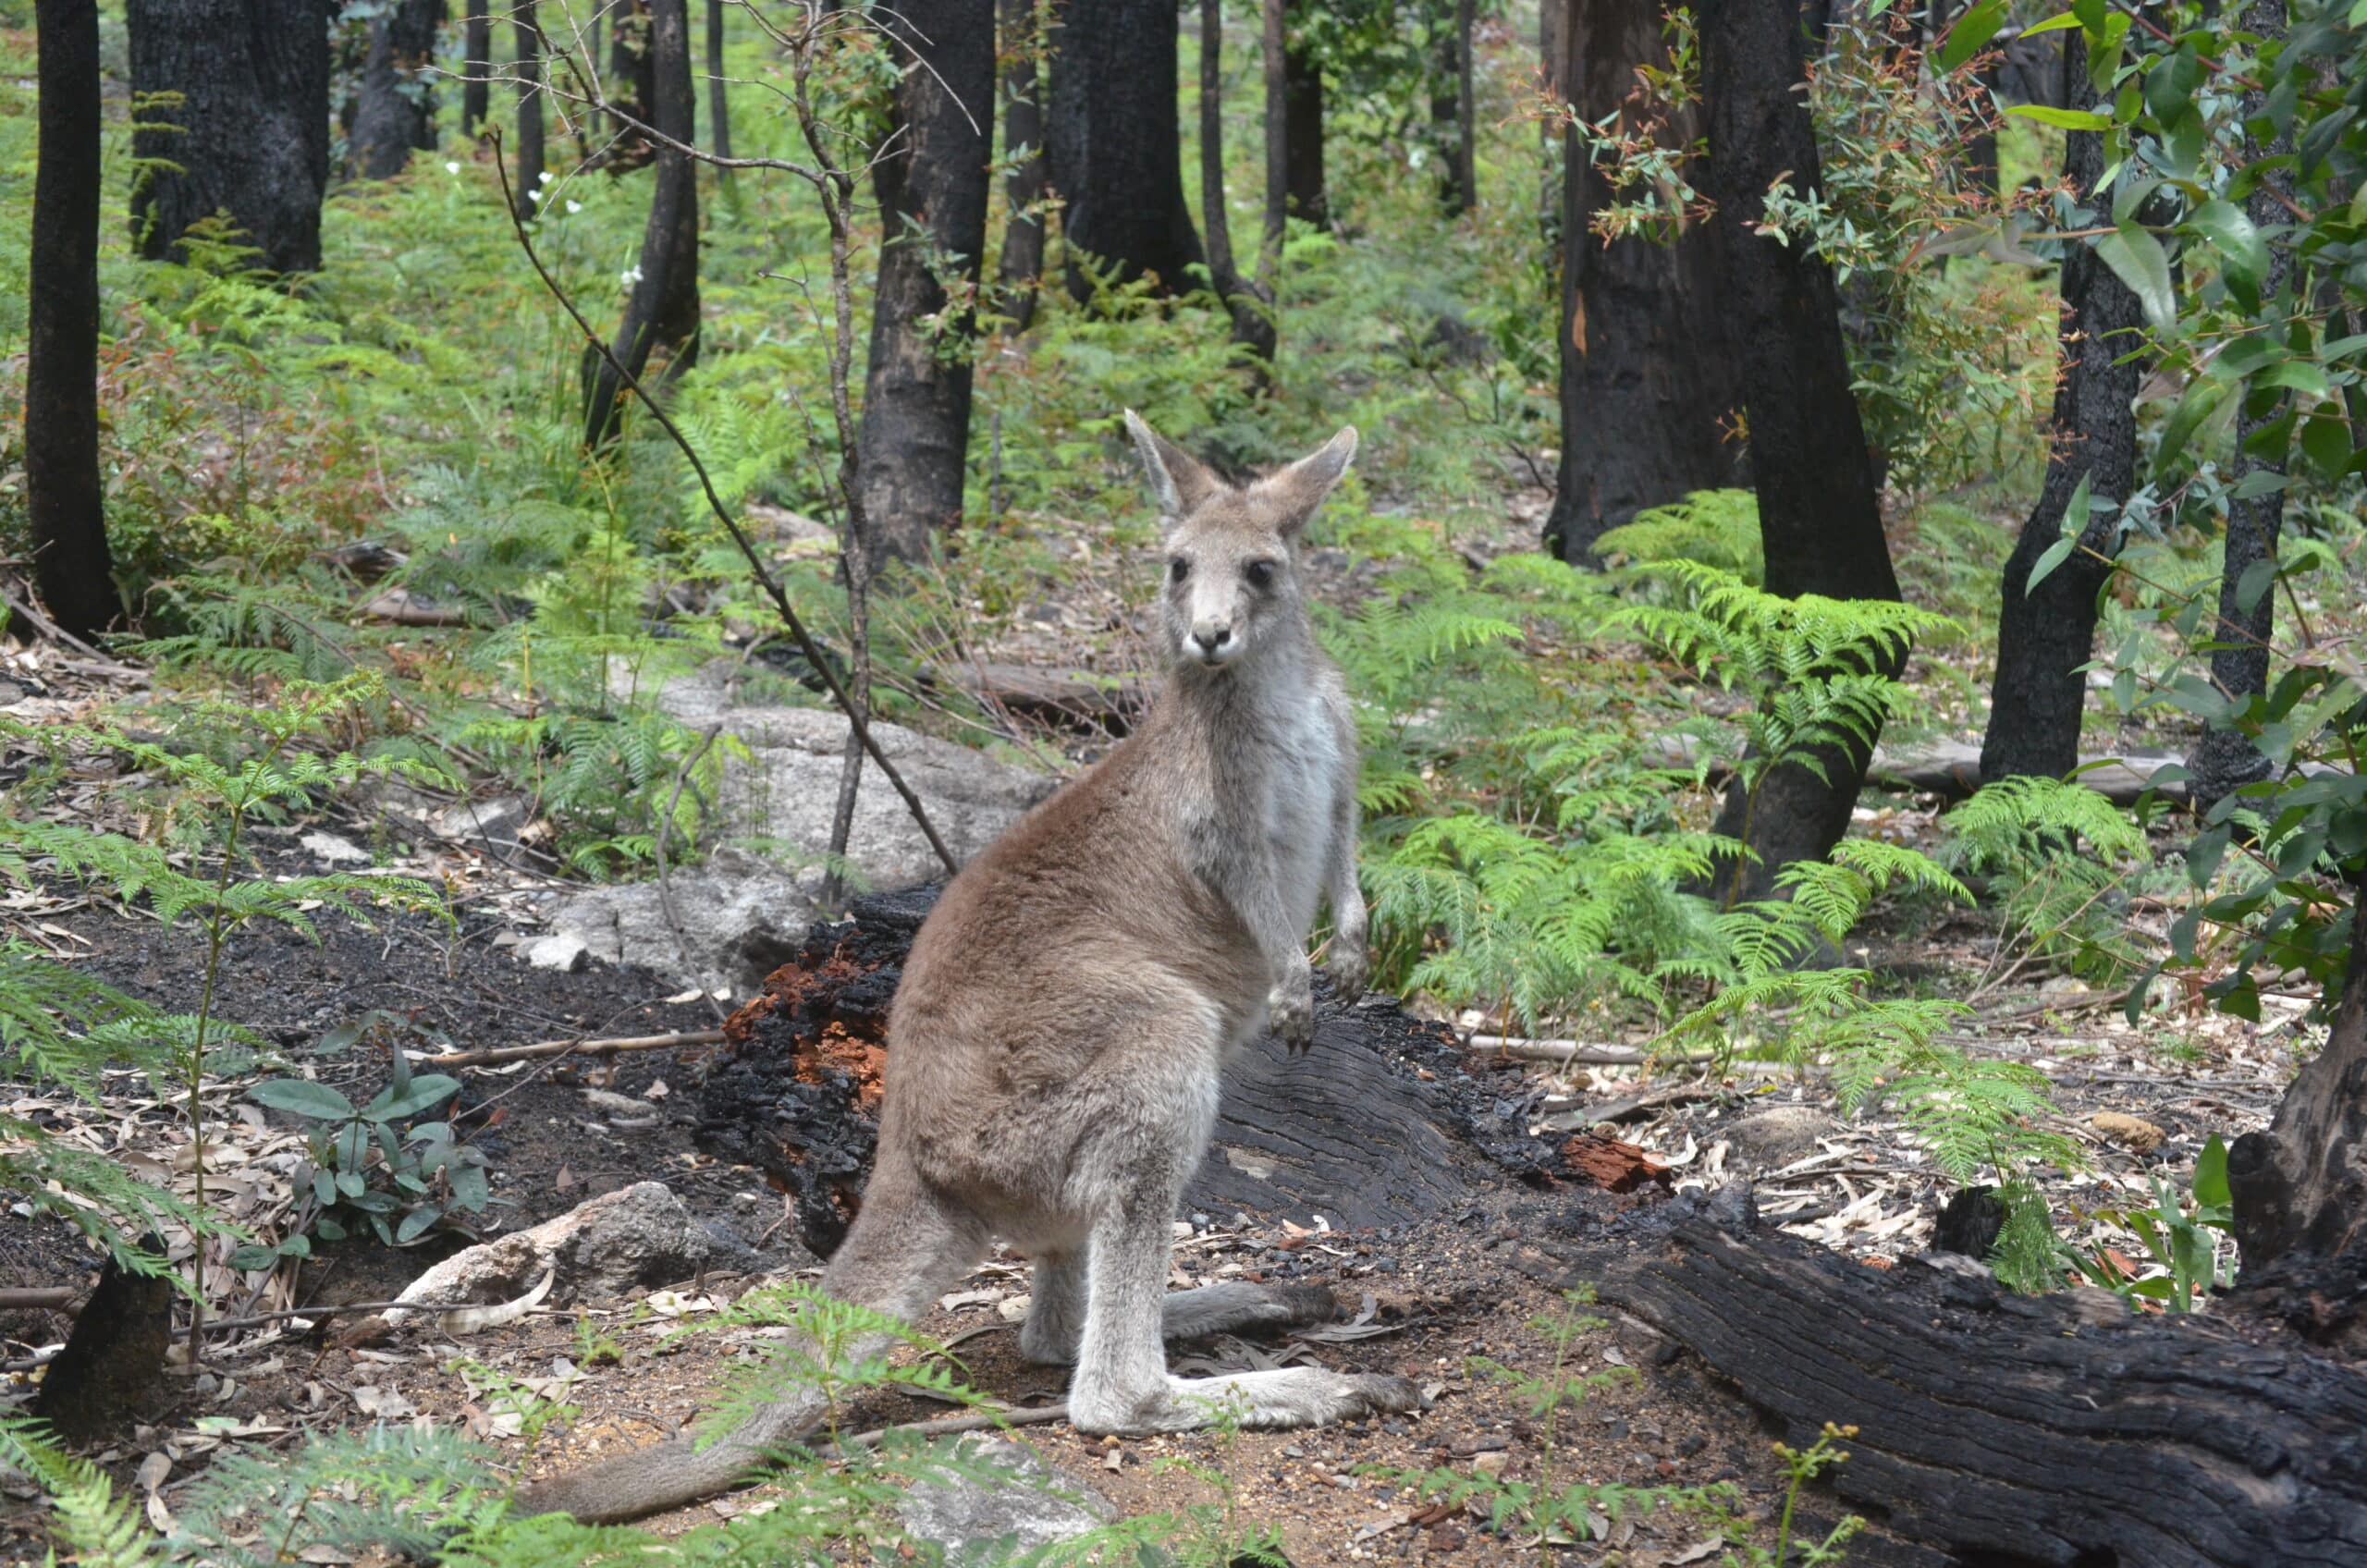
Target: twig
{"x":1519,"y":1048}
{"x":264,"y":1319}
{"x":31,"y":1298}
{"x":763,"y":576}
{"x":945,"y":1425}
{"x":50,"y":629}
{"x":616,"y":1047}
{"x":665,"y":889}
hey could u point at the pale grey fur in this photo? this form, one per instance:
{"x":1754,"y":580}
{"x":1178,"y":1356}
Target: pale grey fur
{"x":1065,"y":1015}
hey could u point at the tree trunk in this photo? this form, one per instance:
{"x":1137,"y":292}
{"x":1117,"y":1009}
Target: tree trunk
{"x":476,"y":68}
{"x":1553,"y":77}
{"x":2226,"y":758}
{"x":1021,"y":271}
{"x":2011,"y":1431}
{"x":2300,"y":1188}
{"x":1116,"y":153}
{"x":65,"y":497}
{"x":664,"y":309}
{"x":394,"y":107}
{"x":1648,"y":367}
{"x":1819,"y":514}
{"x":1466,"y":108}
{"x":249,"y":135}
{"x":933,"y":201}
{"x":1274,"y":55}
{"x":1303,"y":135}
{"x":529,"y":39}
{"x":2046,"y":634}
{"x":1250,"y":303}
{"x":719,"y":97}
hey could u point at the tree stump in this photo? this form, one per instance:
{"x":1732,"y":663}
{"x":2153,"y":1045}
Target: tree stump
{"x":1353,"y":1130}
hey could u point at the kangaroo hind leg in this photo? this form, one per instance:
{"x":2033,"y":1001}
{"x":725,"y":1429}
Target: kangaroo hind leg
{"x":1121,"y":1384}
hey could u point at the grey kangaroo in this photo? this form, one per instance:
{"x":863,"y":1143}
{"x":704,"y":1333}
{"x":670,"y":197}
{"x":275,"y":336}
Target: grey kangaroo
{"x":1055,"y":1047}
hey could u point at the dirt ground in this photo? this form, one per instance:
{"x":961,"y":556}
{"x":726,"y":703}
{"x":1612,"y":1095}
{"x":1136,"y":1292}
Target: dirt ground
{"x":1463,"y":1286}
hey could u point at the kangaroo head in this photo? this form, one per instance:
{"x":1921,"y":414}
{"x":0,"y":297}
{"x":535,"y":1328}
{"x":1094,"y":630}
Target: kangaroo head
{"x":1232,"y":579}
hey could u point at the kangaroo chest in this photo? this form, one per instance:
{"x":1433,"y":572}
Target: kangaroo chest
{"x":1299,"y":775}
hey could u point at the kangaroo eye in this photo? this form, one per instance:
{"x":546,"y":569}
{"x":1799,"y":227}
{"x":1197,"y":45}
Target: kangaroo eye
{"x":1260,"y":574}
{"x":1178,"y":570}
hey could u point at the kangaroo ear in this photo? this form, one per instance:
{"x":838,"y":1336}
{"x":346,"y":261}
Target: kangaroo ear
{"x":1300,"y":488}
{"x":1178,"y":478}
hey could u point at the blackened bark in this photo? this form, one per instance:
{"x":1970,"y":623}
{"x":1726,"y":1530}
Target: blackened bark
{"x":664,"y":309}
{"x":2299,"y":1189}
{"x":1021,"y":271}
{"x":632,"y":81}
{"x":476,"y":66}
{"x":2045,"y":634}
{"x":110,"y":1373}
{"x":249,"y":135}
{"x":2225,"y":759}
{"x":1303,"y":134}
{"x":394,"y":107}
{"x":65,"y":497}
{"x":1116,"y":150}
{"x":1819,"y":514}
{"x":1648,"y":368}
{"x":932,"y":191}
{"x":719,"y":96}
{"x":1247,"y":303}
{"x":529,"y":39}
{"x":1467,"y":127}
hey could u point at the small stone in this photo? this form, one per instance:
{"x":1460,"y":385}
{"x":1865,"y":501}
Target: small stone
{"x":563,"y":952}
{"x":1489,"y":1463}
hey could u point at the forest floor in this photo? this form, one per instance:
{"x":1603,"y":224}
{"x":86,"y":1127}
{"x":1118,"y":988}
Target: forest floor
{"x":2140,"y":1102}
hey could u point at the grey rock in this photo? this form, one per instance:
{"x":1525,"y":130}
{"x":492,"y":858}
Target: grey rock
{"x":742,"y":916}
{"x":1774,"y":1138}
{"x":633,"y":1239}
{"x":1026,"y":1504}
{"x":563,"y":951}
{"x":494,"y":823}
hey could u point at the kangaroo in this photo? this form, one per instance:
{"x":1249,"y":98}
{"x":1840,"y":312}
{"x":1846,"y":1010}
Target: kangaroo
{"x":1067,"y":1010}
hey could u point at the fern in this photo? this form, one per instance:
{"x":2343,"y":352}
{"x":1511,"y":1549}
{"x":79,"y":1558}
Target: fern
{"x":2060,"y":857}
{"x":1716,"y":528}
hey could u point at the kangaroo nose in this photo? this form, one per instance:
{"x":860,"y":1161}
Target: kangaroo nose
{"x":1211,"y":638}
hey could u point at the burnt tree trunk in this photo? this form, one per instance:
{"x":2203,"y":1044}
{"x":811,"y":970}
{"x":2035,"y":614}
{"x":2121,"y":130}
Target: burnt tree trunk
{"x":394,"y":107}
{"x":108,"y":1376}
{"x":1819,"y":513}
{"x":1466,"y":111}
{"x":718,"y":94}
{"x":529,"y":39}
{"x":1020,"y":270}
{"x":1303,"y":135}
{"x":2224,"y":758}
{"x":65,"y":495}
{"x":1369,"y":1128}
{"x":2045,"y":634}
{"x":1250,"y":303}
{"x":1115,"y":149}
{"x":2014,"y":1431}
{"x":631,"y":83}
{"x":250,"y":133}
{"x":2300,"y":1188}
{"x":1647,"y":368}
{"x":932,"y":191}
{"x":476,"y":66}
{"x":663,"y":311}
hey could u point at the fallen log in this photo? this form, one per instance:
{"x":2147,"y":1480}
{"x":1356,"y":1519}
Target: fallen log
{"x":1382,"y":1121}
{"x":2014,"y":1431}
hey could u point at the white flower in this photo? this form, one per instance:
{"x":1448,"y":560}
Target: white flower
{"x":544,"y":178}
{"x":451,"y":168}
{"x":1416,"y":157}
{"x":533,"y":196}
{"x":574,"y":206}
{"x":633,"y":276}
